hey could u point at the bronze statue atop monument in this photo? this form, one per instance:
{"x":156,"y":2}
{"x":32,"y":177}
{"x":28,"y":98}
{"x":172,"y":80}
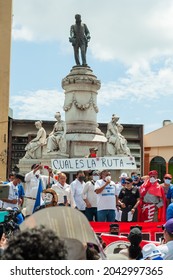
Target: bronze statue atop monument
{"x":79,"y":37}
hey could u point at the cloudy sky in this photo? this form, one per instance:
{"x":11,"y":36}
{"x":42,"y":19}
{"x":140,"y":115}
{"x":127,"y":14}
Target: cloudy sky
{"x":130,"y":52}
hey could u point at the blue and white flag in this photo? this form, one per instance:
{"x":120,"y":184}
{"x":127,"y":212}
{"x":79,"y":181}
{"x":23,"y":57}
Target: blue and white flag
{"x":38,"y":197}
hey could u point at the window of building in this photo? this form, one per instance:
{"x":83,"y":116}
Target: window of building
{"x":159,"y":164}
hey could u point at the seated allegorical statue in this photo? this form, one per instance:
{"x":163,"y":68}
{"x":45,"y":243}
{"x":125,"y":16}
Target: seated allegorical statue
{"x":33,"y":148}
{"x":117,"y":144}
{"x":56,"y":140}
{"x":124,"y":149}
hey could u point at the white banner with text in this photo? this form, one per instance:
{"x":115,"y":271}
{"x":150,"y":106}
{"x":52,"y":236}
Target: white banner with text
{"x":98,"y":163}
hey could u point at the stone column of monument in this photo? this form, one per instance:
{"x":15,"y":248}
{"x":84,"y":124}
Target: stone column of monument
{"x":80,"y":107}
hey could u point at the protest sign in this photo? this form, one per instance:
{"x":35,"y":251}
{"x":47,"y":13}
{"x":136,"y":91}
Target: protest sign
{"x":99,"y":163}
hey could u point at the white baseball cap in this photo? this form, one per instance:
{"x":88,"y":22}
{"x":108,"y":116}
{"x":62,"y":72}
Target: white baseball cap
{"x":123,"y":175}
{"x":150,"y":251}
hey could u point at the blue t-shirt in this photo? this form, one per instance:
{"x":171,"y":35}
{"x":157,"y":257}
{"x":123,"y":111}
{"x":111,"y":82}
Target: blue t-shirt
{"x":170,"y":193}
{"x":169,"y":212}
{"x":21,"y":191}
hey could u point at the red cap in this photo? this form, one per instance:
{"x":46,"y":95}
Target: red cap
{"x":153,"y":173}
{"x":168,"y":176}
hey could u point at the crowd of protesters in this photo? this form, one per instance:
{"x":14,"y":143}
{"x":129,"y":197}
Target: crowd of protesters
{"x":100,"y":198}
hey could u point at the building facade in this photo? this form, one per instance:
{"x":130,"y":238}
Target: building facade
{"x":158,"y":150}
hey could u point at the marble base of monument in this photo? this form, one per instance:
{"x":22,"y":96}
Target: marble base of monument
{"x":25,"y":164}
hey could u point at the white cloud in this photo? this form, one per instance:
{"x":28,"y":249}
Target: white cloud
{"x":123,"y":30}
{"x":140,"y":83}
{"x":41,"y":104}
{"x":22,"y":33}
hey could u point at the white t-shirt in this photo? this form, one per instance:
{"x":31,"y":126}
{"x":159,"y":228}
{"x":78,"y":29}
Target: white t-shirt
{"x":62,"y":191}
{"x":13,"y":194}
{"x":167,"y":250}
{"x":89,"y":193}
{"x":77,"y":189}
{"x":32,"y":183}
{"x":105,"y":199}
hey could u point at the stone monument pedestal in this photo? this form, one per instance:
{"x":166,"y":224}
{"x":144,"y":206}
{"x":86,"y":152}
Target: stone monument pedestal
{"x":80,"y":107}
{"x":45,"y":159}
